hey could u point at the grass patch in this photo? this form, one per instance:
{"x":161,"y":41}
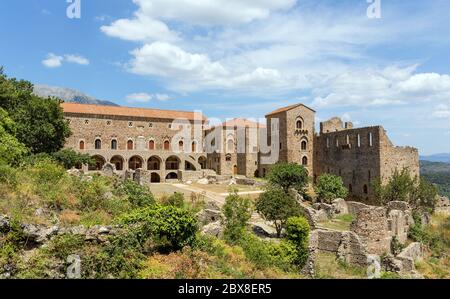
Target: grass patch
{"x":328,"y":267}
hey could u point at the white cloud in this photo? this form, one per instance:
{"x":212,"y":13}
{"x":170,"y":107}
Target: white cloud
{"x":140,"y":28}
{"x":143,"y":97}
{"x":212,"y":12}
{"x":76,"y":59}
{"x":52,"y":61}
{"x":442,"y":111}
{"x":55,"y":61}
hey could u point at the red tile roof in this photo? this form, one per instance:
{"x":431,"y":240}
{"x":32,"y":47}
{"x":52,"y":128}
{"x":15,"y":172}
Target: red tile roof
{"x":130,"y":112}
{"x":284,"y":109}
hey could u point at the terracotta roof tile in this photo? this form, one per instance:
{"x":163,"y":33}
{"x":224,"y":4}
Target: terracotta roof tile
{"x":128,"y":111}
{"x":284,"y":109}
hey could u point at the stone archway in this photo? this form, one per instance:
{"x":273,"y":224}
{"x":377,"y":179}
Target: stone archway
{"x":155,"y":178}
{"x":135,"y":162}
{"x":118,"y":161}
{"x":202,"y":162}
{"x":99,"y":162}
{"x":154,"y":163}
{"x":173,"y":163}
{"x":172,"y":176}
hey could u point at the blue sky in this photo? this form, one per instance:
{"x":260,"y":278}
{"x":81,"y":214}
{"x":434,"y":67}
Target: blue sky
{"x":236,"y":58}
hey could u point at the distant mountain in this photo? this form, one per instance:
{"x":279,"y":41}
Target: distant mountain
{"x":433,"y":167}
{"x":68,"y":95}
{"x":445,"y":158}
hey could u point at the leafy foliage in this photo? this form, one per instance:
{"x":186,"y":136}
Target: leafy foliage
{"x":11,"y":150}
{"x":287,"y":176}
{"x":297,"y":231}
{"x":419,"y":193}
{"x":138,"y":195}
{"x":40,"y":123}
{"x":277,"y":206}
{"x":70,"y":158}
{"x":176,"y":200}
{"x":237,"y":211}
{"x":330,"y":187}
{"x":171,"y":228}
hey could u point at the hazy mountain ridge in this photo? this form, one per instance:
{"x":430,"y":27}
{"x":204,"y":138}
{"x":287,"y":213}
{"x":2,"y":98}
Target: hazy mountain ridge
{"x":443,"y":157}
{"x":68,"y":95}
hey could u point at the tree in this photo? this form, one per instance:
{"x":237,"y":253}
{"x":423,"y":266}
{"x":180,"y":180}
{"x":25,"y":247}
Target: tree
{"x":418,"y":192}
{"x":138,"y":195}
{"x":70,"y":158}
{"x":287,"y":176}
{"x":237,"y":211}
{"x":277,"y":206}
{"x":11,"y":150}
{"x":40,"y":123}
{"x":330,"y":187}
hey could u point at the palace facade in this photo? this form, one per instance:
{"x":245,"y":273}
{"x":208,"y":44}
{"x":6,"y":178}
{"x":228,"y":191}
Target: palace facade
{"x":180,"y":145}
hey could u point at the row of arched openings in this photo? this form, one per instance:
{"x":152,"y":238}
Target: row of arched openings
{"x":130,"y":145}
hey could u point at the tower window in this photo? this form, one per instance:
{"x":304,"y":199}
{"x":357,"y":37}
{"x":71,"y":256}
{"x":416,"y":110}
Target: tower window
{"x":81,"y":145}
{"x":365,"y":189}
{"x":304,"y":145}
{"x":370,"y":139}
{"x":305,"y":161}
{"x":299,"y":124}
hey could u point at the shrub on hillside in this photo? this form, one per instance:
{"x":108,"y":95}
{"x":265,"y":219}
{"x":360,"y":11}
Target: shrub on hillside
{"x":138,"y":195}
{"x":297,"y":231}
{"x":329,"y":187}
{"x":169,"y":227}
{"x":90,"y":194}
{"x":176,"y":200}
{"x":237,"y":212}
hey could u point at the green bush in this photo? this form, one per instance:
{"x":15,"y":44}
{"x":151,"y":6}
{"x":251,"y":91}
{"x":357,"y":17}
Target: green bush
{"x":176,"y":200}
{"x":91,"y":194}
{"x":138,"y":195}
{"x":171,"y":228}
{"x":329,"y":187}
{"x":277,"y":206}
{"x":297,"y":231}
{"x":237,"y":212}
{"x":122,"y":258}
{"x":287,"y":176}
{"x":70,"y":158}
{"x":8,"y":175}
{"x":64,"y":245}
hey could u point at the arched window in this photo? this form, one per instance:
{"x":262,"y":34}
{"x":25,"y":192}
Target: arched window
{"x":194,"y":146}
{"x":228,"y":157}
{"x":299,"y":124}
{"x":181,"y":145}
{"x":365,"y":189}
{"x":151,"y":145}
{"x":81,"y":145}
{"x":304,"y":145}
{"x":130,"y":145}
{"x":113,"y":144}
{"x":305,"y":161}
{"x":230,"y":146}
{"x":98,"y":144}
{"x":166,"y":145}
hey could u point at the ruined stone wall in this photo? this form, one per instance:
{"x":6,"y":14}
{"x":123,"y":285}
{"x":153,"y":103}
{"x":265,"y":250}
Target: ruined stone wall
{"x":351,"y":154}
{"x":393,"y":158}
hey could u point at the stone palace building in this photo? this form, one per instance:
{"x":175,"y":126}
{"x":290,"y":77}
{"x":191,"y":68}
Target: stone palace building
{"x":148,"y":141}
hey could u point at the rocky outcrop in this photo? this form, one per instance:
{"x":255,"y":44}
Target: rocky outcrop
{"x":213,"y":229}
